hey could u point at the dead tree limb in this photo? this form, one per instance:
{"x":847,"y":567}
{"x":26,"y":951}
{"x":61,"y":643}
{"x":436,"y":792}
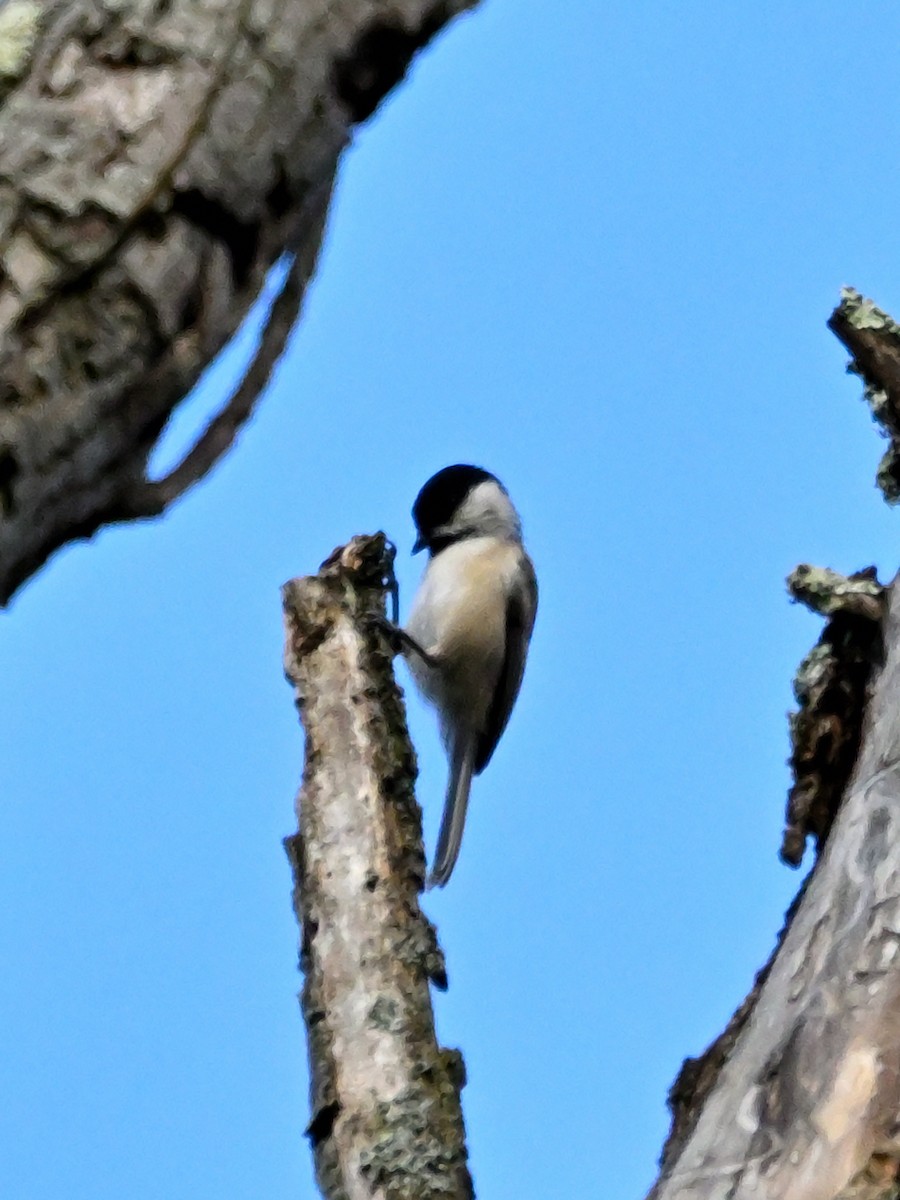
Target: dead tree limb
{"x":799,"y":1099}
{"x":386,"y":1115}
{"x":156,"y":158}
{"x":873,"y":339}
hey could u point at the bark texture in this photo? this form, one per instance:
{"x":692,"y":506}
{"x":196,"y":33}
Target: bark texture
{"x":156,"y":158}
{"x":799,"y":1099}
{"x":386,"y":1116}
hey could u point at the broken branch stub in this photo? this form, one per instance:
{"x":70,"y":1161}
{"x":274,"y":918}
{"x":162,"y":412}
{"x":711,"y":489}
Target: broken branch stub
{"x":873,"y":338}
{"x":832,"y":690}
{"x":386,"y":1113}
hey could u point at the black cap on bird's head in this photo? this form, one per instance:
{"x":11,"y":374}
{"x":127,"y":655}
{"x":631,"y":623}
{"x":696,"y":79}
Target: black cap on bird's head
{"x":440,"y":500}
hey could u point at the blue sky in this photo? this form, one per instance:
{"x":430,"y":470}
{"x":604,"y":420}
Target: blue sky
{"x":593,"y":248}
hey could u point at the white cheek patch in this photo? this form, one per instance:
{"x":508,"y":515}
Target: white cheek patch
{"x":488,"y":508}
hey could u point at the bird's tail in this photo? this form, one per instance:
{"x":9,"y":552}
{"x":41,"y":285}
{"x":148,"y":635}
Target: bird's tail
{"x":462,"y":763}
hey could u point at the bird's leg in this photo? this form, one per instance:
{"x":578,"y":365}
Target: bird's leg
{"x":400,"y":641}
{"x":405,"y":642}
{"x":397,"y":638}
{"x":390,"y":580}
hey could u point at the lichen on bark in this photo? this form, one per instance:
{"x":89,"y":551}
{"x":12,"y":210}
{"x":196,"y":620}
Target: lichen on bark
{"x":831,"y":688}
{"x":19,"y":25}
{"x":873,"y":338}
{"x":385,"y":1097}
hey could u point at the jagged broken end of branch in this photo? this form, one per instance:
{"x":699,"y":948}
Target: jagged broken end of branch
{"x":831,"y":688}
{"x":873,"y":338}
{"x":367,"y":953}
{"x":829,"y":593}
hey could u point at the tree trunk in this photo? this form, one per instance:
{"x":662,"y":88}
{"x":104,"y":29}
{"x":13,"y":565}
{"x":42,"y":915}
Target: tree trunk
{"x":386,"y":1117}
{"x":799,"y":1099}
{"x":156,"y":158}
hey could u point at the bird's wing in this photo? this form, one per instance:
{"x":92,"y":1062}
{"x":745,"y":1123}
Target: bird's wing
{"x":521,"y":609}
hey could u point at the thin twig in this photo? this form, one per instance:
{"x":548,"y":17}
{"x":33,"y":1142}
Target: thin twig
{"x":149,"y":498}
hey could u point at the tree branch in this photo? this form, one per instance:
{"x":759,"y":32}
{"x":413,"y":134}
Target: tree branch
{"x":155,"y":161}
{"x":151,"y":498}
{"x":873,"y":338}
{"x":386,"y":1115}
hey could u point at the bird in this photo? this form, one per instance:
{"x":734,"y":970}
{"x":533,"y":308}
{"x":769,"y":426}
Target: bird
{"x":469,"y":628}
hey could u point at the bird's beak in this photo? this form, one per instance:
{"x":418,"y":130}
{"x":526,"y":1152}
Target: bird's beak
{"x":419,"y":544}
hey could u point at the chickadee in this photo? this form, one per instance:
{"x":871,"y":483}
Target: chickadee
{"x":469,"y":628}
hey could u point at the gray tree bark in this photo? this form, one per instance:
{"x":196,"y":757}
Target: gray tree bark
{"x":385,"y":1097}
{"x":799,"y":1099}
{"x":156,"y":158}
